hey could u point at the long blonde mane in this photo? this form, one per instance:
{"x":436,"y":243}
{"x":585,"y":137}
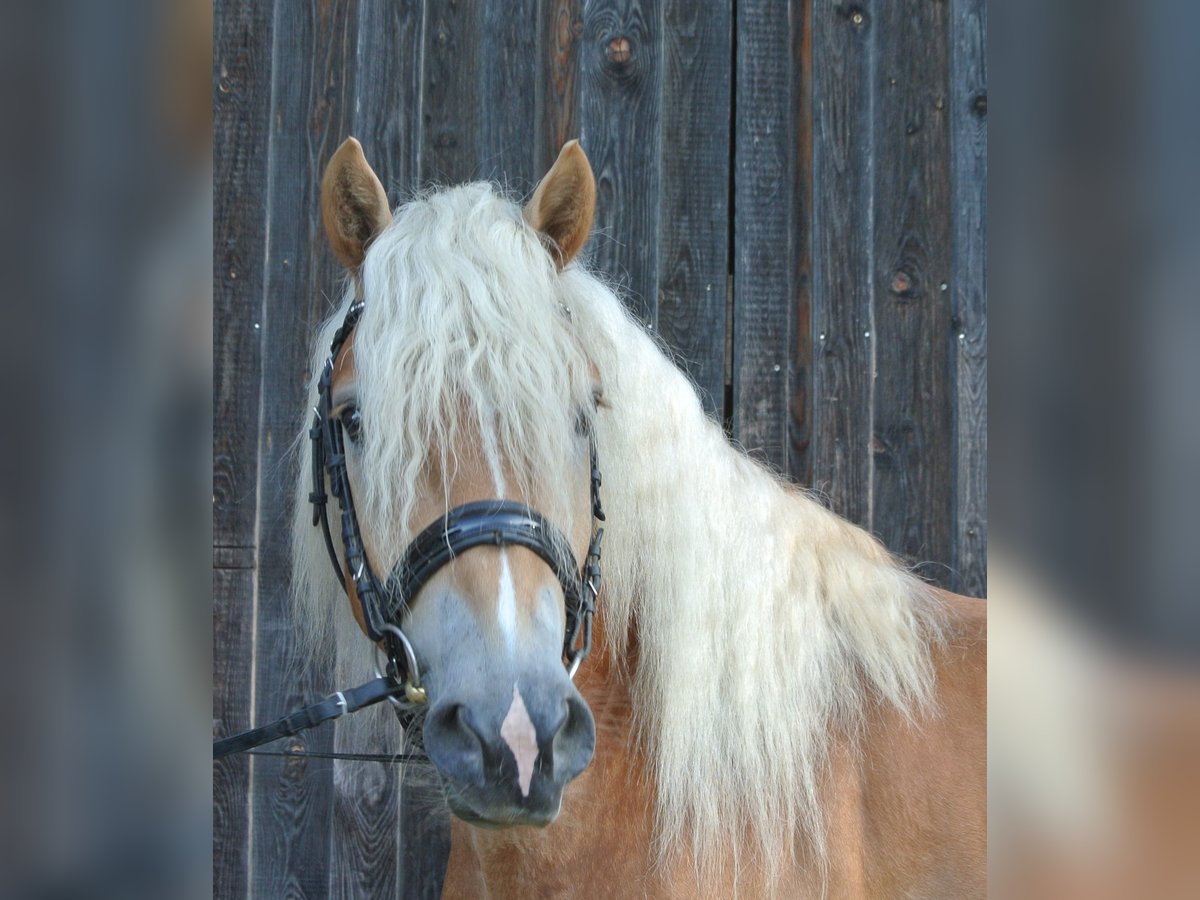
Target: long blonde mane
{"x":764,"y":622}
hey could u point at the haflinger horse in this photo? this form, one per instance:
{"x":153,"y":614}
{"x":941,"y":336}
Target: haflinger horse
{"x":775,"y":707}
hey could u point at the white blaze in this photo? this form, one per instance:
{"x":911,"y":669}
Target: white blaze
{"x":492,"y":449}
{"x":518,"y":732}
{"x":506,"y":609}
{"x":506,"y":606}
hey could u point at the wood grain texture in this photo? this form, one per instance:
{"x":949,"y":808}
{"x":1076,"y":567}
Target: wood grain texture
{"x":365,"y":805}
{"x":800,"y":396}
{"x":967,"y":99}
{"x":763,"y":232}
{"x":241,"y":105}
{"x":233,"y":659}
{"x":425,"y":822}
{"x":694,"y":204}
{"x":314,"y":54}
{"x":508,"y":98}
{"x":240,"y":113}
{"x":842,"y":265}
{"x":621,"y":61}
{"x":557,"y":112}
{"x":387,"y":98}
{"x":912,"y":454}
{"x":451,"y":111}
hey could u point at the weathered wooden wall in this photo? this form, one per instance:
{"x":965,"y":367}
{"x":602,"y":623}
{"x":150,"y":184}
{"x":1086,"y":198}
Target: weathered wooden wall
{"x":793,"y":195}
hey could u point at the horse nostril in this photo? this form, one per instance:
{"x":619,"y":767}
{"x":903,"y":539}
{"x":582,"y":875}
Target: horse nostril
{"x":454,"y":744}
{"x":573,"y":739}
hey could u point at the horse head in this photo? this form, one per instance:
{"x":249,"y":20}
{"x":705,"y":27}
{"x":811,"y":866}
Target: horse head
{"x":461,"y":400}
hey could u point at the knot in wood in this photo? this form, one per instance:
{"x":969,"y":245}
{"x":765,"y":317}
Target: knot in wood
{"x":901,"y":282}
{"x":619,"y":50}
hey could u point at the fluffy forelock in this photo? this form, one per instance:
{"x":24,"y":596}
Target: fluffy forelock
{"x":464,"y":319}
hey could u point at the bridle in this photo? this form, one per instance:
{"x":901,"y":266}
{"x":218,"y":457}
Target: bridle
{"x":383,"y":603}
{"x":487,"y":522}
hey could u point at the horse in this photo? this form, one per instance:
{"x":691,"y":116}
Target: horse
{"x":775,"y":705}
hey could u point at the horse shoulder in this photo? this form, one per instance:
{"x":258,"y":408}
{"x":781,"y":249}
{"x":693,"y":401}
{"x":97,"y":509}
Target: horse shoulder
{"x":924,"y":782}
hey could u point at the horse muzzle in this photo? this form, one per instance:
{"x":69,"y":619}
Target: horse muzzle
{"x":506,"y":760}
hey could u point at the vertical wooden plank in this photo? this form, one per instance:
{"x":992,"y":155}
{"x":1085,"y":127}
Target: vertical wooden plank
{"x":968,"y":172}
{"x":387,"y":95}
{"x":764,"y":231}
{"x":404,"y":849}
{"x":694,"y":206}
{"x":241,"y":103}
{"x":450,"y":105}
{"x":387,"y":118}
{"x":426,"y":839}
{"x":621,"y":59}
{"x":366,"y":835}
{"x":842,"y":257}
{"x":561,"y":29}
{"x":296,"y":849}
{"x":801,"y":375}
{"x":911,"y":441}
{"x":233,"y":589}
{"x":510,"y":72}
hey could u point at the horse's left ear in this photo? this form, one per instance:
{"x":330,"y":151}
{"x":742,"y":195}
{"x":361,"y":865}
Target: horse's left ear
{"x":564,"y":203}
{"x":354,"y":206}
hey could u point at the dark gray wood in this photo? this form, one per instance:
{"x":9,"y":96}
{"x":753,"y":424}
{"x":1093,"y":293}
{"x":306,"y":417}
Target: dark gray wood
{"x":763,"y":232}
{"x":451,"y":110}
{"x":296,"y":849}
{"x":387,"y":98}
{"x":967,"y":99}
{"x":426,"y":836}
{"x":367,"y":831}
{"x":912,"y":490}
{"x":233,"y":658}
{"x":842,"y":265}
{"x":241,"y":94}
{"x":509,"y":79}
{"x":694,"y":205}
{"x":621,"y":61}
{"x":800,"y":377}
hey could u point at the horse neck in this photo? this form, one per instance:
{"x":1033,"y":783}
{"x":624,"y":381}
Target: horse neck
{"x":685,"y":508}
{"x":764,"y":620}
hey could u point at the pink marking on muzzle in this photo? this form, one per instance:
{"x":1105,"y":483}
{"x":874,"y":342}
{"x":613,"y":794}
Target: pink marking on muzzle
{"x":518,"y":732}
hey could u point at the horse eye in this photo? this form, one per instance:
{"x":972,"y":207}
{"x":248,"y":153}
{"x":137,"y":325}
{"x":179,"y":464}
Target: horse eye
{"x":351,"y":420}
{"x":583,"y":425}
{"x":583,"y":421}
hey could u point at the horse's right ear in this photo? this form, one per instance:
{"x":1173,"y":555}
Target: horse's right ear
{"x":564,"y":203}
{"x":354,"y":206}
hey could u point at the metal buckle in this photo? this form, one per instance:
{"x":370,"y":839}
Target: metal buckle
{"x":413,"y":689}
